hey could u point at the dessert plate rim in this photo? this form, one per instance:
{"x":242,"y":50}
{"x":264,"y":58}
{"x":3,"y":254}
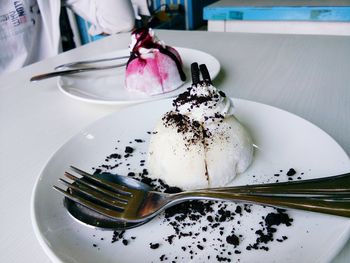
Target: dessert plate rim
{"x":53,"y":228}
{"x":107,"y":86}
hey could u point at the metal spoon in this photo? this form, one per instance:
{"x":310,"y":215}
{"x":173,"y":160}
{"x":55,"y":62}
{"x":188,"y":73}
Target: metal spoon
{"x":91,"y":218}
{"x":71,"y":71}
{"x":136,"y":203}
{"x":84,"y":62}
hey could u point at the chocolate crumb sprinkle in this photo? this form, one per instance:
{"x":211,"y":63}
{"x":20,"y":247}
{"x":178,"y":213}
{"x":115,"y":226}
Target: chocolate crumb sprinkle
{"x":232,"y":240}
{"x":129,"y":149}
{"x":291,"y":172}
{"x":201,"y":225}
{"x":154,"y":246}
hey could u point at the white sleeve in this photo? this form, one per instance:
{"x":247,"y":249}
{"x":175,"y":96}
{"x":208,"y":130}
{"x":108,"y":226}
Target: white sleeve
{"x":106,"y":16}
{"x":141,"y":7}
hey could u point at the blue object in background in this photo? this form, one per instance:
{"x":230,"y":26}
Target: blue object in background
{"x":265,"y":10}
{"x":194,"y":12}
{"x":83,"y":27}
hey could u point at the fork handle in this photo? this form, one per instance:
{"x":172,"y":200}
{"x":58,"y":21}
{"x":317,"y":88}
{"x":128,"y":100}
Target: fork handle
{"x":339,"y":206}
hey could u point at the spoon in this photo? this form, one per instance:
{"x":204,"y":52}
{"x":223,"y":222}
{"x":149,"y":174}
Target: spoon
{"x":93,"y":219}
{"x":84,"y":62}
{"x":71,"y":71}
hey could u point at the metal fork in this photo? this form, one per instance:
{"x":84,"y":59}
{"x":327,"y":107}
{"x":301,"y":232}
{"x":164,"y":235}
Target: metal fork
{"x":131,"y":203}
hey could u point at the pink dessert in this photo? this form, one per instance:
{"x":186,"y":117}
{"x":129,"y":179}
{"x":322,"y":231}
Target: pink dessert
{"x":153,"y":68}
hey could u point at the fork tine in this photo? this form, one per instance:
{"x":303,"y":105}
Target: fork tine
{"x":112,"y":186}
{"x":100,"y":198}
{"x":97,"y":208}
{"x":112,"y":194}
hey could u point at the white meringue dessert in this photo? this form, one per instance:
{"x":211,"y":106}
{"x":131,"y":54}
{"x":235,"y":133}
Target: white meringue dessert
{"x":199,"y":143}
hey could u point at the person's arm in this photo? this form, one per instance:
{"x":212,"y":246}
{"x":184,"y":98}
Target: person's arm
{"x":106,"y":16}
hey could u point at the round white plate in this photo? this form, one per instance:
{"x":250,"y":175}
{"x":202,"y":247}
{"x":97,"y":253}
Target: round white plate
{"x":107,"y":86}
{"x":283,"y":141}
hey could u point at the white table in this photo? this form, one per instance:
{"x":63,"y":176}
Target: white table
{"x":306,"y":75}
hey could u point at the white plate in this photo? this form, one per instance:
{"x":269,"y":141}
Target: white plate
{"x":107,"y":86}
{"x":284,"y":141}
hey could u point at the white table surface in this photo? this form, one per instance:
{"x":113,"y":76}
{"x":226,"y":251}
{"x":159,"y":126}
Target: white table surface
{"x":306,"y":75}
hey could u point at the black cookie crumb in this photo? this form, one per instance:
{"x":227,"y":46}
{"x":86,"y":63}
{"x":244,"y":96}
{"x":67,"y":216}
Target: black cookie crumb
{"x":129,"y":149}
{"x":232,"y":240}
{"x":184,"y":217}
{"x":154,"y":246}
{"x":291,"y":172}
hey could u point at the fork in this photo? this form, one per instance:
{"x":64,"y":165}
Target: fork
{"x":131,"y":203}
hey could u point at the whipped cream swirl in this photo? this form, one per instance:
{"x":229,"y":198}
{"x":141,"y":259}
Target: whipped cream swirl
{"x":204,"y":103}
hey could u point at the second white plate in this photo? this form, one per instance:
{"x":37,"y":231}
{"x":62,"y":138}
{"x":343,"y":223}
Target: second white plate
{"x":107,"y":86}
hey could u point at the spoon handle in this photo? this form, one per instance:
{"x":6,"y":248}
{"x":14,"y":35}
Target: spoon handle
{"x":71,"y":71}
{"x":334,"y":205}
{"x":84,"y":62}
{"x":331,"y":185}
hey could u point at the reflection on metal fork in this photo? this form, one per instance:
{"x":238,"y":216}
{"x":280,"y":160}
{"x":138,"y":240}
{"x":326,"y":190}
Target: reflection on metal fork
{"x":127,"y":200}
